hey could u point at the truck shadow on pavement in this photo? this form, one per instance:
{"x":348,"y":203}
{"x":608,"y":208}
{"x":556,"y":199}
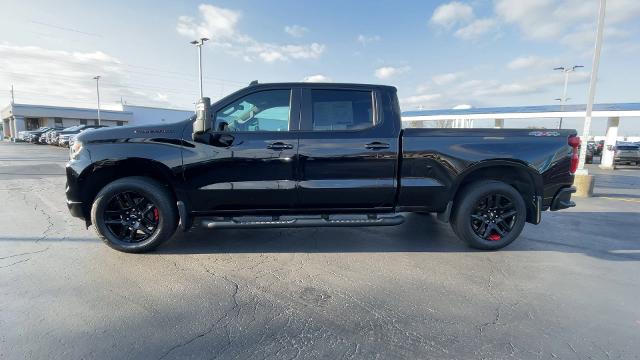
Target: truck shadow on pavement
{"x":602,"y":235}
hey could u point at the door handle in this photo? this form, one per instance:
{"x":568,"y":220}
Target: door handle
{"x":279,"y":146}
{"x":376,"y":145}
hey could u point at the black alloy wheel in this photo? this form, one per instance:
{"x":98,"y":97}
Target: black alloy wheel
{"x":131,"y":217}
{"x":488,"y":214}
{"x":493,"y":217}
{"x":134,"y":214}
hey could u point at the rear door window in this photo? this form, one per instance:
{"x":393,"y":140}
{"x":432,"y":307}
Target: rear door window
{"x":335,"y":110}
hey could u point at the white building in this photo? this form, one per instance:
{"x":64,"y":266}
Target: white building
{"x":20,"y":117}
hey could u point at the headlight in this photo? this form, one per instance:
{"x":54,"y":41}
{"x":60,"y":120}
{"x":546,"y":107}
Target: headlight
{"x":75,"y":149}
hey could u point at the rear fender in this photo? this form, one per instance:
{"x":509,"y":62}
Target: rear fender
{"x":526,"y":179}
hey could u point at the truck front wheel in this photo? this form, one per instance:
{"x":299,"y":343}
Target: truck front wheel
{"x":489,"y":215}
{"x":134,"y":214}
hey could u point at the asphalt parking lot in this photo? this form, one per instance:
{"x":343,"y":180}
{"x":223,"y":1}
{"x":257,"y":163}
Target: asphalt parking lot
{"x":568,"y":288}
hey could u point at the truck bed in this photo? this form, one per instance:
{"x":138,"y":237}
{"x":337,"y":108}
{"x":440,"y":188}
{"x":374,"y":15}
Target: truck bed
{"x":434,"y":162}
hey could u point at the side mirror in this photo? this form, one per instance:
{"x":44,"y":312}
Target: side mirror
{"x":203,"y":117}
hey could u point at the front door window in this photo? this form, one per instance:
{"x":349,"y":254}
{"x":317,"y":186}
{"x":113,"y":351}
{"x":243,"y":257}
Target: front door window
{"x":267,"y":110}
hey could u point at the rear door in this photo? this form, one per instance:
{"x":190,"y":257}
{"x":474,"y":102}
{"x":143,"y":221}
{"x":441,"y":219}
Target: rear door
{"x":249,"y":162}
{"x":347,"y":152}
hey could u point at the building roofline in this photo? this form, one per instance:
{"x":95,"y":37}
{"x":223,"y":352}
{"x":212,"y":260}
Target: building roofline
{"x":53,"y":107}
{"x":158,"y":108}
{"x":533,"y":111}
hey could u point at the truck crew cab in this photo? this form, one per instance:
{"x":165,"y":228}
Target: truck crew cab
{"x":309,"y":154}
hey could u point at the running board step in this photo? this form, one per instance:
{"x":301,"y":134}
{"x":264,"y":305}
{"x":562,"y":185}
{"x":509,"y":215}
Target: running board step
{"x":291,"y":222}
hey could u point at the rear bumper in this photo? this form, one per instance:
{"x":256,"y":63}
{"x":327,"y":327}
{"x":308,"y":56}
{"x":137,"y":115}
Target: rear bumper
{"x":626,"y":159}
{"x":562,"y":200}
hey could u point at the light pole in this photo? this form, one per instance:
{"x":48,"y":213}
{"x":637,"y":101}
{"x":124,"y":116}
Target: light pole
{"x":199,"y":44}
{"x":563,"y":99}
{"x":97,"y":79}
{"x":592,"y":85}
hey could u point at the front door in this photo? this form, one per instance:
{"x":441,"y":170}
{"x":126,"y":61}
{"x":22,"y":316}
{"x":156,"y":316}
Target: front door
{"x":347,"y":151}
{"x":249,"y":160}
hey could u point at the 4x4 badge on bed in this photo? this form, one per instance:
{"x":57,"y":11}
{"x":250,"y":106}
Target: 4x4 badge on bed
{"x":544,"y":133}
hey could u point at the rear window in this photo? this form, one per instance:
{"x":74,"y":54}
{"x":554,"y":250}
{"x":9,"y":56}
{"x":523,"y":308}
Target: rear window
{"x":627,"y":147}
{"x":336,"y":110}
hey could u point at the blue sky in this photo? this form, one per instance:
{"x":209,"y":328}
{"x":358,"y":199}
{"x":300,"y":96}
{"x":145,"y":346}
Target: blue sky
{"x":439,"y":54}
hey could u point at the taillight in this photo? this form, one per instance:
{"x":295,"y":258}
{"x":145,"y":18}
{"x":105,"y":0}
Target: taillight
{"x":574,"y":142}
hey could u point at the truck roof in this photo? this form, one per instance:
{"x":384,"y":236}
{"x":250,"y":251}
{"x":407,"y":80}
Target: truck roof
{"x":322,"y":84}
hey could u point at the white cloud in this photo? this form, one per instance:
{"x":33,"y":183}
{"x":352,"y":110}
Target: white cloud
{"x":475,"y":29}
{"x":365,"y":39}
{"x":445,"y":79}
{"x":569,"y":19}
{"x":529,"y":62}
{"x":423,"y":88}
{"x":296,"y":30}
{"x":387,"y":72}
{"x":527,"y":86}
{"x":461,"y":20}
{"x":422,"y":101}
{"x":453,"y":13}
{"x":316,"y":78}
{"x":65,"y":78}
{"x":534,"y":17}
{"x":219,"y":25}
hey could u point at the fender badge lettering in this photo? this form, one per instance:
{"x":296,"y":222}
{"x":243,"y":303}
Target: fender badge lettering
{"x":153,"y":131}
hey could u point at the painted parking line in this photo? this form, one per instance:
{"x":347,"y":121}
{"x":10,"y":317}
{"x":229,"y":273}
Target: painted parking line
{"x":620,"y":199}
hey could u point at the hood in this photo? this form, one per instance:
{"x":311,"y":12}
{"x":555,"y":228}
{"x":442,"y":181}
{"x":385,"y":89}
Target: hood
{"x":119,"y":133}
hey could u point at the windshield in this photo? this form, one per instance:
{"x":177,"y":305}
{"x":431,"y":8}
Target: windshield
{"x":72,"y":128}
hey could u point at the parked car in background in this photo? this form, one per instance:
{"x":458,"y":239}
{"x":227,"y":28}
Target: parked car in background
{"x":72,"y":138}
{"x":42,"y":138}
{"x":62,"y":138}
{"x":52,"y":138}
{"x":26,"y":135}
{"x":589,"y":156}
{"x":599,"y":147}
{"x":34,"y":136}
{"x":627,"y":153}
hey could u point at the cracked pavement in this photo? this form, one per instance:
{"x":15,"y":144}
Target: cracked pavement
{"x":567,"y":288}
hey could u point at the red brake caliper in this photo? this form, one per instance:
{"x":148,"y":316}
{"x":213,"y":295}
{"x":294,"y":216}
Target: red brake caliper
{"x":156,"y":216}
{"x":494,"y":237}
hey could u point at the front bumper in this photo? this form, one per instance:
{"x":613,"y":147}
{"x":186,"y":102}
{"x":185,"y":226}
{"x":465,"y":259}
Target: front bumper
{"x":562,"y":200}
{"x":73,"y":190}
{"x":75,"y":208}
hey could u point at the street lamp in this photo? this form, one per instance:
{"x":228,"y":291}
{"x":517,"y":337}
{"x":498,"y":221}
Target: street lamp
{"x":563,"y":99}
{"x":199,"y":44}
{"x":97,"y":79}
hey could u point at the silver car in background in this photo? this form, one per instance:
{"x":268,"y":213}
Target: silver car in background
{"x":627,"y":154}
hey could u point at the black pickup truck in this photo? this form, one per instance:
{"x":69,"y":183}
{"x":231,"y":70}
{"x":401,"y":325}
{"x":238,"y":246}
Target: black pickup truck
{"x":300,"y":154}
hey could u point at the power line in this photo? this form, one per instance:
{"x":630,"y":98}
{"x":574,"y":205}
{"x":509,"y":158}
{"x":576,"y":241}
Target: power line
{"x":64,"y":28}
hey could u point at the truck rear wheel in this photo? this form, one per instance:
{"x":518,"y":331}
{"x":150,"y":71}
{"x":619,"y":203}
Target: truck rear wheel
{"x":489,"y":215}
{"x":134,"y":214}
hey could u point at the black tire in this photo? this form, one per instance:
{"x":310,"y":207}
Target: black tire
{"x":471,"y":218}
{"x":139,"y":234}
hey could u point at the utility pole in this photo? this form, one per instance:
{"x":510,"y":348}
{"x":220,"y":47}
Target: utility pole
{"x":199,"y":44}
{"x":592,"y":85}
{"x":563,"y":99}
{"x":97,"y":79}
{"x":13,"y":100}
